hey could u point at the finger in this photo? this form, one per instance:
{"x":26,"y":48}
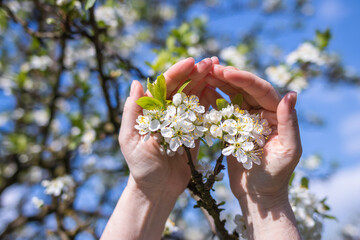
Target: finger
{"x":288,"y":127}
{"x":177,"y":73}
{"x":234,"y":168}
{"x":261,"y":90}
{"x":131,"y":111}
{"x":227,"y":89}
{"x":200,"y":70}
{"x":269,"y":116}
{"x":215,"y":60}
{"x":208,"y":97}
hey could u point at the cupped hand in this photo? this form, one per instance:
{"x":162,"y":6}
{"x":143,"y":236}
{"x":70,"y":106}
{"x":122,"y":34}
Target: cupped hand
{"x":282,"y":150}
{"x":152,"y":171}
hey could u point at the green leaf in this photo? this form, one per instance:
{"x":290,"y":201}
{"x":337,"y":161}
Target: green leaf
{"x":150,"y":87}
{"x":291,"y":179}
{"x":149,"y":103}
{"x":160,"y":89}
{"x":305,"y":182}
{"x":322,"y":38}
{"x":184,"y":86}
{"x":329,"y":217}
{"x":221,"y":103}
{"x":89,"y":4}
{"x":238,"y":100}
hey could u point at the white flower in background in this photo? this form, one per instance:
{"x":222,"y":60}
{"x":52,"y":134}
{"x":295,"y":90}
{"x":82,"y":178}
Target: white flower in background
{"x":232,"y":55}
{"x":280,"y":75}
{"x":3,"y":119}
{"x":351,"y":231}
{"x":62,"y":2}
{"x":306,"y":52}
{"x":308,"y":211}
{"x":195,"y":51}
{"x":61,"y":186}
{"x":6,"y":84}
{"x":38,"y":203}
{"x":240,"y":226}
{"x":166,"y":12}
{"x":40,"y":62}
{"x":312,"y":162}
{"x":298,"y":84}
{"x":40,"y":116}
{"x":89,"y":136}
{"x":170,"y":227}
{"x":107,"y":15}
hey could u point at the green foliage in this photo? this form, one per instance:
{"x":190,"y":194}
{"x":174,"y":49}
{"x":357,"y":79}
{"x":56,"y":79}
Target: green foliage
{"x":322,"y":38}
{"x":305,"y":182}
{"x":89,"y":4}
{"x":184,"y":85}
{"x":221,"y":103}
{"x":149,"y":103}
{"x":238,"y":100}
{"x":291,"y":179}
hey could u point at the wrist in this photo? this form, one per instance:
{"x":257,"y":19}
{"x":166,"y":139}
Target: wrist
{"x":150,"y":193}
{"x":139,"y":214}
{"x":269,"y":216}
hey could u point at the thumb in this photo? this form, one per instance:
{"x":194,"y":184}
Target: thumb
{"x":288,"y":127}
{"x":131,"y":111}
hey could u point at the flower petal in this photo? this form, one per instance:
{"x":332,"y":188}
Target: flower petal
{"x":154,"y":125}
{"x":167,"y":132}
{"x":227,"y":151}
{"x":175,"y":144}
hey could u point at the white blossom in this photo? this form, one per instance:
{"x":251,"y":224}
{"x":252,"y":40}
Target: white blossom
{"x":40,"y":62}
{"x":232,"y":55}
{"x":240,"y":226}
{"x":38,"y":203}
{"x":280,"y":75}
{"x":40,"y":116}
{"x":306,"y":52}
{"x":61,"y":186}
{"x":308,"y":211}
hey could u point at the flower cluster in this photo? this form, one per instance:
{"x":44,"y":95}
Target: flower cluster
{"x":240,"y":226}
{"x":184,"y":121}
{"x":61,"y":186}
{"x":309,"y":211}
{"x":243,"y":133}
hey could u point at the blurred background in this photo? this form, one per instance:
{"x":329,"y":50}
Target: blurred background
{"x":65,"y":71}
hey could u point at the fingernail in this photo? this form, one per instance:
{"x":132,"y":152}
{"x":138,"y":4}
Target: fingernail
{"x":132,"y":87}
{"x":290,"y":99}
{"x":204,"y":61}
{"x":214,"y":58}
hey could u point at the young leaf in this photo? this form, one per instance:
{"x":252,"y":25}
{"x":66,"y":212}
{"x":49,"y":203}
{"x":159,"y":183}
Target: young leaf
{"x":238,"y":100}
{"x":89,"y":4}
{"x":305,"y":182}
{"x":221,"y":103}
{"x":160,"y":89}
{"x":150,"y":87}
{"x":184,"y":86}
{"x":149,"y":103}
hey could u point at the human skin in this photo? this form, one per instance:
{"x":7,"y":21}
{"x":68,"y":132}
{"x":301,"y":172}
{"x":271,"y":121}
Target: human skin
{"x":263,"y":191}
{"x":155,"y":180}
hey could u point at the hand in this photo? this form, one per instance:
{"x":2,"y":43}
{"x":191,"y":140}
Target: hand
{"x":153,"y":172}
{"x":262,"y":191}
{"x":155,"y":180}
